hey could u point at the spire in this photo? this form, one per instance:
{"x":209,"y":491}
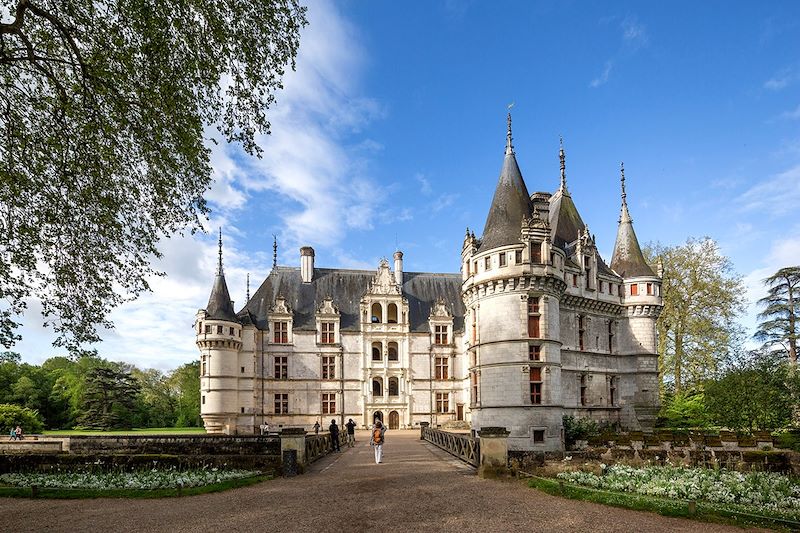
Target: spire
{"x":628,"y":260}
{"x":219,"y":266}
{"x":509,"y":146}
{"x":248,"y":287}
{"x":510,"y":205}
{"x":624,"y":214}
{"x":220,"y":306}
{"x":274,"y":250}
{"x":563,"y":160}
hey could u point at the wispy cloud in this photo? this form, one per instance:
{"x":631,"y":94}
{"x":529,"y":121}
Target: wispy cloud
{"x":603,"y":77}
{"x":775,"y":196}
{"x":793,"y":114}
{"x":634,"y":33}
{"x":425,"y":185}
{"x":443,"y":202}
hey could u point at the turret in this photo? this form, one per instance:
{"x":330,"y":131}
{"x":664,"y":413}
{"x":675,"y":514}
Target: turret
{"x":219,"y":338}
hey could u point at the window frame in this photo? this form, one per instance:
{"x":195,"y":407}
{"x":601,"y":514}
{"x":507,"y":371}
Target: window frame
{"x":281,"y":403}
{"x":280,"y":367}
{"x":328,"y":367}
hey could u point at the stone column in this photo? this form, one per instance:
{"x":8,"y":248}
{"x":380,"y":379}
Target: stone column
{"x":494,"y":452}
{"x":294,"y":439}
{"x":422,"y":426}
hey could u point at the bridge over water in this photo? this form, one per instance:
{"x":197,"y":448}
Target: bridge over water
{"x":418,"y":487}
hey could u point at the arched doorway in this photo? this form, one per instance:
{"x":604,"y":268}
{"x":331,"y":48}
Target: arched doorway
{"x":394,"y":420}
{"x":377,"y":415}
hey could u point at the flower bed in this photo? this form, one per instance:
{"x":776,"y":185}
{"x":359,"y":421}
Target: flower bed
{"x":758,"y":492}
{"x":140,"y":480}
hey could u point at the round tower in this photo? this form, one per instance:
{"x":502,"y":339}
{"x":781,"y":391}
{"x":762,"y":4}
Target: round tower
{"x":641,"y":298}
{"x":219,"y":339}
{"x":511,"y":293}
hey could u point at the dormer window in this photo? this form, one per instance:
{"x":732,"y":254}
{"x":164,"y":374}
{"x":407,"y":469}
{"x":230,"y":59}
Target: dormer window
{"x":281,"y":333}
{"x":328,"y":332}
{"x":536,"y":252}
{"x":440,"y":335}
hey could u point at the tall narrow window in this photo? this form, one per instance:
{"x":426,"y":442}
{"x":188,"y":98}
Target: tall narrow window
{"x":534,"y":317}
{"x":230,"y":330}
{"x":487,"y":263}
{"x":503,"y":257}
{"x":377,"y":387}
{"x":536,"y":385}
{"x":600,"y":286}
{"x":208,"y":329}
{"x":328,"y":403}
{"x":649,"y":289}
{"x":281,"y":367}
{"x":328,"y":367}
{"x":518,"y":257}
{"x":610,"y":336}
{"x":281,"y":404}
{"x":574,"y":280}
{"x":441,"y":368}
{"x":475,"y":381}
{"x":377,"y":313}
{"x":327,"y":333}
{"x":536,"y":252}
{"x":281,"y":335}
{"x":442,"y":402}
{"x":581,"y":331}
{"x":440,"y":335}
{"x":203,"y":373}
{"x":583,"y":390}
{"x":394,"y":387}
{"x":219,"y":330}
{"x":392,"y":318}
{"x":634,"y":289}
{"x":393,"y":352}
{"x":588,"y":278}
{"x":612,"y":391}
{"x":534,"y":353}
{"x":474,"y":326}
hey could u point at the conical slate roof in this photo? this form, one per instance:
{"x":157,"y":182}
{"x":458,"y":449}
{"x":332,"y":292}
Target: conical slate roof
{"x":219,"y":303}
{"x":510,"y":204}
{"x":628,"y":260}
{"x":565,"y":221}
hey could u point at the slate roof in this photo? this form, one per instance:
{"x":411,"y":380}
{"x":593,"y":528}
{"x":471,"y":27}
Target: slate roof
{"x":511,"y":202}
{"x":628,"y":260}
{"x":347,"y":287}
{"x":219,"y":303}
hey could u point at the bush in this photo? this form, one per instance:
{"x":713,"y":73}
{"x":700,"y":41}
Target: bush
{"x":684,"y":410}
{"x":579,"y":429}
{"x":12,"y":416}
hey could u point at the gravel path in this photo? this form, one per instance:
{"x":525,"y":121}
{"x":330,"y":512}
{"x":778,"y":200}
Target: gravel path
{"x":416,"y":488}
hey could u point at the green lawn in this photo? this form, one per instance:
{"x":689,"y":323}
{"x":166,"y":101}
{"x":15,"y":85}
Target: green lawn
{"x":136,"y":431}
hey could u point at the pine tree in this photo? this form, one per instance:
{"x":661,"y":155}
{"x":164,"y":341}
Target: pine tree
{"x":780,"y":314}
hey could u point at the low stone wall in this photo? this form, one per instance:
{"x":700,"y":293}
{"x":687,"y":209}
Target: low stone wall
{"x":142,"y":451}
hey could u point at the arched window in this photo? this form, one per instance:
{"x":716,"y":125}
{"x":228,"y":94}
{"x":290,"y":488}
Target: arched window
{"x":394,"y":387}
{"x":377,"y":354}
{"x":392,"y":313}
{"x":393,"y":353}
{"x":377,"y":387}
{"x":377,"y":313}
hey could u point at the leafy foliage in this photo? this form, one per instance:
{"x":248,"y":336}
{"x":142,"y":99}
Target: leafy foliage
{"x":685,"y":410}
{"x":579,"y":429}
{"x":781,"y":311}
{"x":105,"y":110}
{"x":12,"y":416}
{"x":109,"y":399}
{"x":702,"y":296}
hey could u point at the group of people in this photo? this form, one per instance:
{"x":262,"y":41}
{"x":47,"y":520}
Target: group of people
{"x":16,"y":433}
{"x":376,"y":438}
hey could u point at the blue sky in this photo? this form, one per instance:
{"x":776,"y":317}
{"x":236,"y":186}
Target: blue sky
{"x":392,"y":130}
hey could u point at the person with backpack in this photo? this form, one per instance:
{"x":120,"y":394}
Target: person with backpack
{"x":376,"y":441}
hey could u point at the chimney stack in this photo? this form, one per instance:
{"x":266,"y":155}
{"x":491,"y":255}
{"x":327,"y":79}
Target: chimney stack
{"x":398,"y":267}
{"x":306,"y":264}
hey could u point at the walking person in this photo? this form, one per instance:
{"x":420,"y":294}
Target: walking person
{"x":19,"y":433}
{"x":376,"y":441}
{"x":316,"y":427}
{"x":13,"y":434}
{"x":351,"y":432}
{"x":334,"y":429}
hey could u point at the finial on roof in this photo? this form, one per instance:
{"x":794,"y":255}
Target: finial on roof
{"x":509,"y":146}
{"x":563,"y":160}
{"x":274,"y":250}
{"x":248,"y":287}
{"x":219,"y":266}
{"x":624,"y":215}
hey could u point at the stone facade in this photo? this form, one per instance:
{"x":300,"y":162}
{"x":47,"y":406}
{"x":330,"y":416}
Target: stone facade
{"x":535,"y":327}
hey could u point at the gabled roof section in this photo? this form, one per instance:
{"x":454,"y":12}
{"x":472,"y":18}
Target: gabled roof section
{"x":219,"y":303}
{"x":510,"y":204}
{"x":628,"y":260}
{"x":346,"y":288}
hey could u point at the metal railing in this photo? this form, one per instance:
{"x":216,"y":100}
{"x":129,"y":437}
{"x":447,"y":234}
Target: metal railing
{"x":320,"y":445}
{"x":465,"y":448}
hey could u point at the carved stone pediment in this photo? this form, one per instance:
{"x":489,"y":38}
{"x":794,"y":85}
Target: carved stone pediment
{"x":280,"y":307}
{"x":440,"y":311}
{"x":327,"y":307}
{"x":384,"y":281}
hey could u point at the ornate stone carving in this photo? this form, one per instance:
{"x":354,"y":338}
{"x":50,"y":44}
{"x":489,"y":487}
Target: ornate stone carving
{"x":327,"y":307}
{"x":383,"y":282}
{"x":440,"y":311}
{"x":280,"y":307}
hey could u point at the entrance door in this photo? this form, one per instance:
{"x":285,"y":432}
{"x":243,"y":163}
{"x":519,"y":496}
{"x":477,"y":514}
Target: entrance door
{"x":394,"y":420}
{"x":377,"y":415}
{"x":460,"y":411}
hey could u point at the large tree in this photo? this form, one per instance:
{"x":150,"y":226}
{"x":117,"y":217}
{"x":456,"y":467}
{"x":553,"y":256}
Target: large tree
{"x":781,"y":311}
{"x":702,"y":297}
{"x":105,"y":110}
{"x":109,"y":398}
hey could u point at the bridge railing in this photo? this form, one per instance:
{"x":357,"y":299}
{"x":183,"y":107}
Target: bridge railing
{"x":466,"y":448}
{"x":322,"y":444}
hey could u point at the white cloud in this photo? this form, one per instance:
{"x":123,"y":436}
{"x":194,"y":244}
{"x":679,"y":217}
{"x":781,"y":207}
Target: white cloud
{"x":782,"y":79}
{"x":634,"y":33}
{"x":425,"y":185}
{"x":793,"y":114}
{"x":443,"y":201}
{"x":775,"y":196}
{"x":603,"y":77}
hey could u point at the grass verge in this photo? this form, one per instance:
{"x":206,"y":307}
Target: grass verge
{"x":677,"y":508}
{"x":69,"y":494}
